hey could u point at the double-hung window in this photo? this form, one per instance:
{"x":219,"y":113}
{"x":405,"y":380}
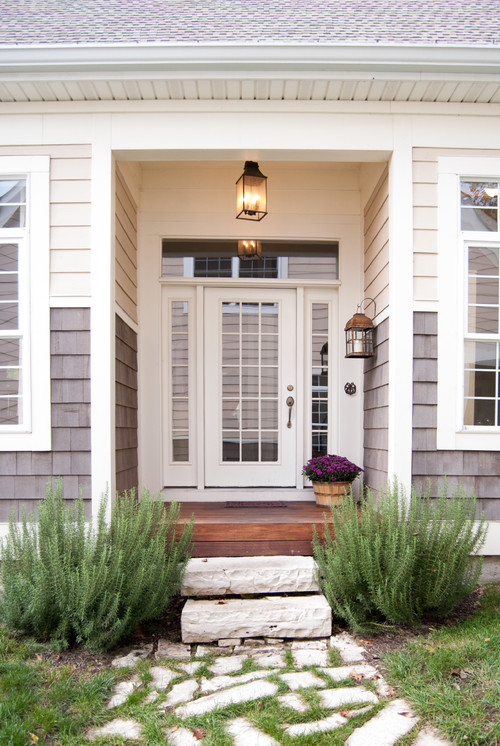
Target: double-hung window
{"x":469,"y":304}
{"x":24,"y":304}
{"x":14,"y":326}
{"x":479,"y":215}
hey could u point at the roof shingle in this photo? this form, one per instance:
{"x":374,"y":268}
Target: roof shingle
{"x":144,"y":22}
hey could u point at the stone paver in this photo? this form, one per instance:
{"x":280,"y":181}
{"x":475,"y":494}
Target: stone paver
{"x":126,"y":728}
{"x":245,"y":734}
{"x":202,"y":651}
{"x":427,"y":738}
{"x":175,"y":650}
{"x":261,"y":649}
{"x":130,"y":659}
{"x":317,"y":726}
{"x":351,"y":695}
{"x":386,"y":728}
{"x":227,"y":665}
{"x":310,"y":657}
{"x":182,"y":737}
{"x":191,"y":668}
{"x":294,"y":702}
{"x":269,"y":660}
{"x":301,"y":680}
{"x":230,"y":642}
{"x":254,"y":642}
{"x":231,"y":687}
{"x":349,"y":650}
{"x":341,"y":673}
{"x":237,"y":694}
{"x":122,"y":691}
{"x":309,"y":645}
{"x":162,"y":677}
{"x":181,"y":692}
{"x":223,"y":682}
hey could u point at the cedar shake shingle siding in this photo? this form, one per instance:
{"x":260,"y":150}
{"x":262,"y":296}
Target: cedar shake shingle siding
{"x":24,"y":475}
{"x":126,"y":407}
{"x":477,"y":471}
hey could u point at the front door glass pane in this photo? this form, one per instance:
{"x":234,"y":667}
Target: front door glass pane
{"x":319,"y":391}
{"x":250,"y":348}
{"x":179,"y":362}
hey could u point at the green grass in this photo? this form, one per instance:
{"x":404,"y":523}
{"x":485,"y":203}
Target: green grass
{"x":452,"y":677}
{"x":38,"y":700}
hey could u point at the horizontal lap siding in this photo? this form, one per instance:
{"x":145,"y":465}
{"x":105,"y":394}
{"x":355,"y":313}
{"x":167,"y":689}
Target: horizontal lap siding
{"x":477,"y":471}
{"x":376,"y":245}
{"x":126,"y":248}
{"x":376,"y":380}
{"x":70,"y":174}
{"x":24,"y":475}
{"x":425,"y":216}
{"x":126,"y":407}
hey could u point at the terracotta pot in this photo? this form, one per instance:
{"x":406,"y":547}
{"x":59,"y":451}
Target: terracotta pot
{"x":330,"y":493}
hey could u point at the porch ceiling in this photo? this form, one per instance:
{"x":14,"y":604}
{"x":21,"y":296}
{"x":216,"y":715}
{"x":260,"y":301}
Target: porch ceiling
{"x":382,"y":87}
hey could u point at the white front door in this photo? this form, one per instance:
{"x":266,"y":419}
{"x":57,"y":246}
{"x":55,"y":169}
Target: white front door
{"x":250,"y":361}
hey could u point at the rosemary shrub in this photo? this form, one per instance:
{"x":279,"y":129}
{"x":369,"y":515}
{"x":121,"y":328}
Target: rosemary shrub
{"x":66,"y":580}
{"x":396,"y":559}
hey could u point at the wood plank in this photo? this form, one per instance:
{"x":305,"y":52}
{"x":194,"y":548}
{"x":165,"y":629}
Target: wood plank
{"x":251,"y":548}
{"x":267,"y":528}
{"x":253,"y":531}
{"x":295,"y":512}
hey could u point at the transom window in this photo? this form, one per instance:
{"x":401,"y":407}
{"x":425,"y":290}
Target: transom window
{"x":300,"y":260}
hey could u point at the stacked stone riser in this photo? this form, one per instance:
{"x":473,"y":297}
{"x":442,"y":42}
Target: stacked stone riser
{"x":297,"y":609}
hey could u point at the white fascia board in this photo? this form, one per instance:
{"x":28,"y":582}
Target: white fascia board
{"x":277,"y":57}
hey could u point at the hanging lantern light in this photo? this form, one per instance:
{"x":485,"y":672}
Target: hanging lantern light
{"x":359,"y":332}
{"x":251,"y":193}
{"x":249,"y":249}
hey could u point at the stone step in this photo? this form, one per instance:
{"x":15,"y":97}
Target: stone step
{"x":221,"y":576}
{"x":275,"y":616}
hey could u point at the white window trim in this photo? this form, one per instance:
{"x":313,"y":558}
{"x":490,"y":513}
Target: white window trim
{"x":452,"y":434}
{"x":35,"y":434}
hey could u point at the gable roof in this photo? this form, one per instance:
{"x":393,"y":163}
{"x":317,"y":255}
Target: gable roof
{"x":308,"y":22}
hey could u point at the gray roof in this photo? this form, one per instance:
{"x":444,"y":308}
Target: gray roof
{"x":145,"y":22}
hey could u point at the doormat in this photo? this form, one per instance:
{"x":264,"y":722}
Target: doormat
{"x":256,"y":504}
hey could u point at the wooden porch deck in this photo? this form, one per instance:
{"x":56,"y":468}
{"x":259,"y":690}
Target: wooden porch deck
{"x":236,"y":529}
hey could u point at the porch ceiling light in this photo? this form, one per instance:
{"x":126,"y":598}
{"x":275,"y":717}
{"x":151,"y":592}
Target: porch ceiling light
{"x":249,"y":249}
{"x":251,"y":193}
{"x":359,"y":333}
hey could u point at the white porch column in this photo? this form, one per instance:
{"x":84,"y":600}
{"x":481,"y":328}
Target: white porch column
{"x":102,"y":359}
{"x":400,"y":305}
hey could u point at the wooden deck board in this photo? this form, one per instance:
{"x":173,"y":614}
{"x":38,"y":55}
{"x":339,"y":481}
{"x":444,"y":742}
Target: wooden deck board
{"x":220,"y":530}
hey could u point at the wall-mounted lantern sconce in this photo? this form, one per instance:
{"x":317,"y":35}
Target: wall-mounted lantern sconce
{"x":249,"y":249}
{"x":251,"y":193}
{"x":359,"y":333}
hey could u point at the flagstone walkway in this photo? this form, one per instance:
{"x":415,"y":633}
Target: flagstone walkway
{"x":302,"y":677}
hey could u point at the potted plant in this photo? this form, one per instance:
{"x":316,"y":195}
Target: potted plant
{"x":331,"y":477}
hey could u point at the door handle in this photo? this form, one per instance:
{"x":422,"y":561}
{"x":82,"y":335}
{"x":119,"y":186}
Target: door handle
{"x":290,"y":402}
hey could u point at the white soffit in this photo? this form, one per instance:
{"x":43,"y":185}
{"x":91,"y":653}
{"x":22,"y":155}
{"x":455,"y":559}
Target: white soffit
{"x":261,"y":73}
